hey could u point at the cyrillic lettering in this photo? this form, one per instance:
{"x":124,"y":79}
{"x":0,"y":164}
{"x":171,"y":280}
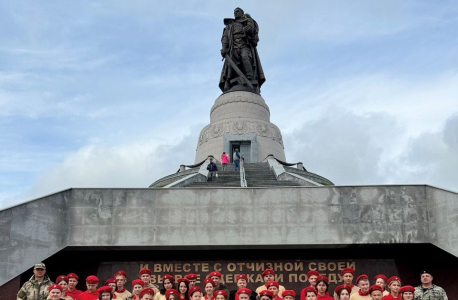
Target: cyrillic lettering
{"x":288,"y":267}
{"x":168,"y":268}
{"x":240,"y":266}
{"x":231,"y":267}
{"x":250,"y":266}
{"x":269,"y":266}
{"x":229,"y":278}
{"x":217,"y":267}
{"x":299,"y":266}
{"x":303,"y":278}
{"x":292,"y":277}
{"x":157,"y":268}
{"x":312,"y":266}
{"x":278,"y":267}
{"x":259,"y":278}
{"x":332,"y":266}
{"x":332,"y":278}
{"x":279,"y":278}
{"x":205,"y":267}
{"x":341,"y":265}
{"x":351,"y":265}
{"x":250,"y":277}
{"x":178,"y":268}
{"x":260,"y":267}
{"x":187,"y":268}
{"x":321,"y":266}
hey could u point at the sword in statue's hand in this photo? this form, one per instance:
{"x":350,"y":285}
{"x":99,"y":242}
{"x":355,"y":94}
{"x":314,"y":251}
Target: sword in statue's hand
{"x":238,"y":71}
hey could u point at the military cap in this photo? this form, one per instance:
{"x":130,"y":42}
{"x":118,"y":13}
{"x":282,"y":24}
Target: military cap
{"x":169,"y":277}
{"x":312,"y":272}
{"x":215,"y":273}
{"x":209,"y":280}
{"x":362,"y":276}
{"x":105,"y":289}
{"x":220,"y":292}
{"x":393,"y":278}
{"x":347,"y":270}
{"x":407,"y":288}
{"x":191,"y":276}
{"x":267,"y":272}
{"x":145,"y":271}
{"x":171,"y":292}
{"x":194,"y":289}
{"x":241,"y":276}
{"x":243,"y":291}
{"x":266,"y":293}
{"x":92,"y":279}
{"x":272,"y":283}
{"x":39,"y":266}
{"x":146,"y":291}
{"x":288,"y":293}
{"x":310,"y":289}
{"x":55,"y":286}
{"x":375,"y":287}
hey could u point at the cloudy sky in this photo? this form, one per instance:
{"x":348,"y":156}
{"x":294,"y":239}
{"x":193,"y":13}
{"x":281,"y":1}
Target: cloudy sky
{"x":115,"y":93}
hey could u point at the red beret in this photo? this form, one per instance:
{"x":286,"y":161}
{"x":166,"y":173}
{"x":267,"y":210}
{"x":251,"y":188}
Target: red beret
{"x":209,"y":280}
{"x":120,"y":273}
{"x":171,"y":292}
{"x":105,"y":289}
{"x":393,"y":278}
{"x":146,"y":291}
{"x":362,"y":276}
{"x":169,"y":277}
{"x":72,"y":275}
{"x":194,"y":289}
{"x":138,"y":281}
{"x":183,"y":279}
{"x":288,"y":293}
{"x":92,"y":279}
{"x":375,"y":287}
{"x":62,"y":277}
{"x":342,"y":287}
{"x":220,"y":292}
{"x":214,"y":273}
{"x":324,"y":278}
{"x":312,"y":272}
{"x":241,"y":276}
{"x":55,"y":286}
{"x":145,"y":271}
{"x":267,"y":272}
{"x":310,"y":289}
{"x":407,"y":288}
{"x":243,"y":291}
{"x":191,"y":276}
{"x":110,"y":280}
{"x":380,"y":276}
{"x":347,"y":270}
{"x":266,"y":293}
{"x":272,"y":283}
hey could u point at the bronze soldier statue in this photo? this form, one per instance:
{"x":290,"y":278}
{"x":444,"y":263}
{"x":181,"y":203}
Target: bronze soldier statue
{"x":242,"y":69}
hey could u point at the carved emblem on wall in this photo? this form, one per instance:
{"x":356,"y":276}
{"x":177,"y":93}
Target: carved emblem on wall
{"x":240,"y":127}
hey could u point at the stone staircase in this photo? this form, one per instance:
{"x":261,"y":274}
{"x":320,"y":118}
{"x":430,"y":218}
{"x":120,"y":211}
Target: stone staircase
{"x":260,"y":175}
{"x":257,"y":175}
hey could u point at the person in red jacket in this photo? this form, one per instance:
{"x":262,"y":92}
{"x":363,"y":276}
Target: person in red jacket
{"x":195,"y":293}
{"x":105,"y":292}
{"x":72,"y":283}
{"x":407,"y":292}
{"x":288,"y":295}
{"x":192,"y":279}
{"x":322,"y":285}
{"x":147,"y":294}
{"x":310,"y":293}
{"x":273,"y":286}
{"x":394,"y":283}
{"x":91,"y":293}
{"x":375,"y":292}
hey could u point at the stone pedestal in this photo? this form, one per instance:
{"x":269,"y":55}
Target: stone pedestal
{"x":240,"y":117}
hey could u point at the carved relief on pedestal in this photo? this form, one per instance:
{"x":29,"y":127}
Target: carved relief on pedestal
{"x":240,"y":127}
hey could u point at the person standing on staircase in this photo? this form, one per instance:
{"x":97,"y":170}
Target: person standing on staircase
{"x":224,"y":160}
{"x":236,"y":157}
{"x":213,"y":170}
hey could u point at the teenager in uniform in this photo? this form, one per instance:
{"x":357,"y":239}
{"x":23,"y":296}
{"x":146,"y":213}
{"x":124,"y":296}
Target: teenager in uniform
{"x":72,"y":283}
{"x":288,"y":295}
{"x":172,"y":294}
{"x":269,"y":275}
{"x":183,"y":288}
{"x":91,"y":293}
{"x":168,"y":283}
{"x":362,"y":281}
{"x":343,"y":292}
{"x":55,"y":292}
{"x":242,"y":282}
{"x":111,"y":282}
{"x":244,"y":294}
{"x":380,"y":280}
{"x":265,"y":295}
{"x":375,"y":292}
{"x":209,"y":288}
{"x":62,"y":280}
{"x":145,"y":275}
{"x":322,"y":285}
{"x":105,"y":292}
{"x":147,"y":294}
{"x":192,"y":279}
{"x":407,"y":292}
{"x":137,"y":288}
{"x":273,"y":286}
{"x":347,"y":276}
{"x":312,"y":275}
{"x":121,"y":293}
{"x":393,"y":283}
{"x":195,"y":293}
{"x":216,"y":277}
{"x":310,"y":293}
{"x":220,"y":295}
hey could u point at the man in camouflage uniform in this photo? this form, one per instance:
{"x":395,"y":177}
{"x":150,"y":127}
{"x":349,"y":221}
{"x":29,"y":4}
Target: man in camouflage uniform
{"x":427,"y":290}
{"x":37,"y":286}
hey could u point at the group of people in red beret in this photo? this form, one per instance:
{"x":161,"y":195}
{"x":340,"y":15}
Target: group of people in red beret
{"x":383,"y":288}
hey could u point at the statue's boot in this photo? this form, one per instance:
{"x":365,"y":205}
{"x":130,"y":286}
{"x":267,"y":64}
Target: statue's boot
{"x":248,"y":68}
